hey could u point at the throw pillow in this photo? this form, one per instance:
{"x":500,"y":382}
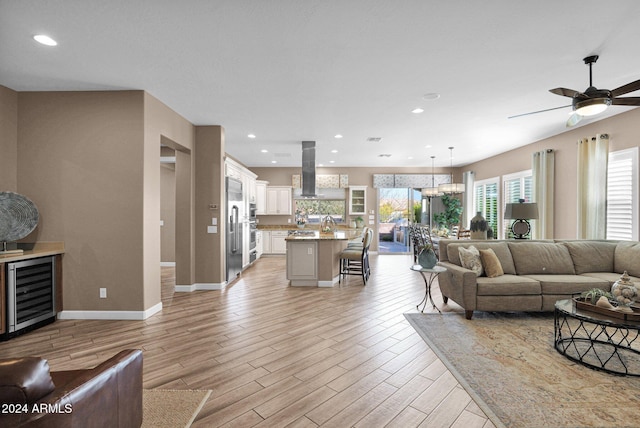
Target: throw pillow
{"x":490,"y":263}
{"x":470,"y":259}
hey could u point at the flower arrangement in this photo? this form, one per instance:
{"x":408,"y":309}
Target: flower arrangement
{"x":301,"y":217}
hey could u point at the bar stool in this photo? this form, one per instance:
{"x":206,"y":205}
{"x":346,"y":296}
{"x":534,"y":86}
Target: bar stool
{"x":355,"y":261}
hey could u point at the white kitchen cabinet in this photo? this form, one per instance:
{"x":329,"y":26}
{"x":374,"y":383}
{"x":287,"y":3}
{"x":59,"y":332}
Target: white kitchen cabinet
{"x":302,"y":262}
{"x":357,"y":200}
{"x":278,"y":242}
{"x":261,"y":197}
{"x":258,"y":244}
{"x":266,"y":241}
{"x":279,"y":200}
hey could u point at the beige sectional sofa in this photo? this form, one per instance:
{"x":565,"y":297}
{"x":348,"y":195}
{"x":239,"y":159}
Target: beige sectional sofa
{"x":536,"y":273}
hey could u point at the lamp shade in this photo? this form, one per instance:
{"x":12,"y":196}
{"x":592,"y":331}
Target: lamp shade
{"x":451,"y":188}
{"x":430,"y":192}
{"x":521,"y":210}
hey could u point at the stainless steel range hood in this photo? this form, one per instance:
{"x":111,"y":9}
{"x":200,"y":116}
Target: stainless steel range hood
{"x":309,"y":169}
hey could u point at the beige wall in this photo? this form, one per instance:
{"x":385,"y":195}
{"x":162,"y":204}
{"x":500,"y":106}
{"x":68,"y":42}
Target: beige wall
{"x":168,"y":212}
{"x":624,"y":133}
{"x":79,"y":159}
{"x":210,"y":191}
{"x":161,"y":126}
{"x":8,"y":140}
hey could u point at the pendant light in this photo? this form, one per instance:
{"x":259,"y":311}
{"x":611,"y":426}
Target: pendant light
{"x":432,"y":191}
{"x":451,"y":187}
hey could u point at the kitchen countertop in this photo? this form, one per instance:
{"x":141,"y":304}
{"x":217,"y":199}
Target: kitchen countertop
{"x":31,"y":251}
{"x":339,"y":235}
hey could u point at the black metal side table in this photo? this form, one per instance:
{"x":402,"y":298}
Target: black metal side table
{"x":429,"y":275}
{"x":597,"y":341}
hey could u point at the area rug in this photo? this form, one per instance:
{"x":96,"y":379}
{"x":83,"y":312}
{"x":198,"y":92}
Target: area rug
{"x":171,"y":408}
{"x":509,"y":366}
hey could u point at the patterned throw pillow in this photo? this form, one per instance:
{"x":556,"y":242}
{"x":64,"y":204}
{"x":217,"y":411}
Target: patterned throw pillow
{"x":470,"y":259}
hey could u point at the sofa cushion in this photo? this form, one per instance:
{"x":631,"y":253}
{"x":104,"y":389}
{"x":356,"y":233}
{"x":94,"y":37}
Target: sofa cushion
{"x":24,"y":380}
{"x":490,"y":263}
{"x":541,"y":258}
{"x":568,"y":284}
{"x":507,"y":285}
{"x":470,"y":259}
{"x":500,"y":248}
{"x":627,"y":257}
{"x":612,"y":277}
{"x":591,"y":256}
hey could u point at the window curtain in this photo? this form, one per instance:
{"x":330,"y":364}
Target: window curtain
{"x":543,"y":172}
{"x":467,"y":199}
{"x":593,"y":156}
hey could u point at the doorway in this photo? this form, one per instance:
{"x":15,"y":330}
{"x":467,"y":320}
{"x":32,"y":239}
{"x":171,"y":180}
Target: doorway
{"x":397,"y":208}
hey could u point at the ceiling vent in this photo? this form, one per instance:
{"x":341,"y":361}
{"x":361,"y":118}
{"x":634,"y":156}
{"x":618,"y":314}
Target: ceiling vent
{"x":374,"y":139}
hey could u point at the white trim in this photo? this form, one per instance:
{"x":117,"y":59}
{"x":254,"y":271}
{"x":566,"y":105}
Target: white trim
{"x":199,"y":286}
{"x":327,"y":284}
{"x":167,"y":264}
{"x":110,"y":315}
{"x":167,"y":159}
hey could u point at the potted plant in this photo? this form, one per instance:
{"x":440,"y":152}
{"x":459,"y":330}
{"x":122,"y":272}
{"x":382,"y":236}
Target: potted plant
{"x":426,"y":256}
{"x":594,"y":295}
{"x":359,"y":222}
{"x":451,"y":214}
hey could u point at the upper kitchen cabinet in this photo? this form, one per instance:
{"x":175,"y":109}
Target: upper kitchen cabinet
{"x":357,"y":200}
{"x":278,"y":200}
{"x":261,"y":197}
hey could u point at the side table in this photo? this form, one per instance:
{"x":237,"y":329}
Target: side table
{"x":429,"y":275}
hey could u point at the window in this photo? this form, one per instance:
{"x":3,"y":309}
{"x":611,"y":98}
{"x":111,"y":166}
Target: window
{"x":622,"y":195}
{"x":486,"y":194}
{"x":516,"y":186}
{"x":316,"y":209}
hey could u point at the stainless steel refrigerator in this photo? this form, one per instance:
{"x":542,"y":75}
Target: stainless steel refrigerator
{"x":234,"y":227}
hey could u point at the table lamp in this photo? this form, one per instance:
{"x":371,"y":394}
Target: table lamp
{"x":521,"y":212}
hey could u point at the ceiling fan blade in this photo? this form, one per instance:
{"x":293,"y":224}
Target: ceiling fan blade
{"x":564,"y":92}
{"x":627,"y":101}
{"x":573,"y":120}
{"x":536,"y":112}
{"x":625,"y":89}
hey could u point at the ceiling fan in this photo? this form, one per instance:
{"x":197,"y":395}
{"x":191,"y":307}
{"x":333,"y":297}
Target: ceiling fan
{"x":593,"y":100}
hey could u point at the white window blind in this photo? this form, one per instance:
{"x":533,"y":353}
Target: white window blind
{"x":486,"y":195}
{"x":622,"y":192}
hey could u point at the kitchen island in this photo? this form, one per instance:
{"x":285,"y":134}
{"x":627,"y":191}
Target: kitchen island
{"x":313,"y":258}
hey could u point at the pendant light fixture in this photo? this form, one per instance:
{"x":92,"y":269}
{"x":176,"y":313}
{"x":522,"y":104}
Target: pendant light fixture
{"x":451,"y":187}
{"x":432,"y":191}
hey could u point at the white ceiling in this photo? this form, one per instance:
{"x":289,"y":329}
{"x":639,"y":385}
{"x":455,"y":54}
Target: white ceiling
{"x":294,"y":70}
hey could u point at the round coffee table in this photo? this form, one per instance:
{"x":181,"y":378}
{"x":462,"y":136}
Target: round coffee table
{"x":596,"y":340}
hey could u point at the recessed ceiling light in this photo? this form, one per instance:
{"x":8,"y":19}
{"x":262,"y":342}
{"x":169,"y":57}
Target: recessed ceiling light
{"x":338,"y":136}
{"x":428,"y":146}
{"x":320,"y":164}
{"x":264,"y":151}
{"x":45,"y":40}
{"x":410,"y":157}
{"x":251,"y":136}
{"x":417,"y":110}
{"x":431,"y":96}
{"x":274,"y":161}
{"x":332,"y":161}
{"x":334,"y":151}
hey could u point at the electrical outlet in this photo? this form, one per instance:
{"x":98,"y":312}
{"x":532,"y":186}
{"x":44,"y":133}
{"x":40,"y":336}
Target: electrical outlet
{"x":103,"y":293}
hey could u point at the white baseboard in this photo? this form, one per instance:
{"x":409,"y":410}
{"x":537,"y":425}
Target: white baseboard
{"x":199,"y":286}
{"x":167,"y":264}
{"x":329,"y":283}
{"x":110,"y":315}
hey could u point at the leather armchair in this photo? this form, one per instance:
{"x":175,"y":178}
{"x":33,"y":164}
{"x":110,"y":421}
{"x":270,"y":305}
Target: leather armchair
{"x":108,"y":395}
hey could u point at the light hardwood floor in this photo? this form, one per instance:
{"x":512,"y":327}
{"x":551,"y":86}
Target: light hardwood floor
{"x":278,"y":356}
